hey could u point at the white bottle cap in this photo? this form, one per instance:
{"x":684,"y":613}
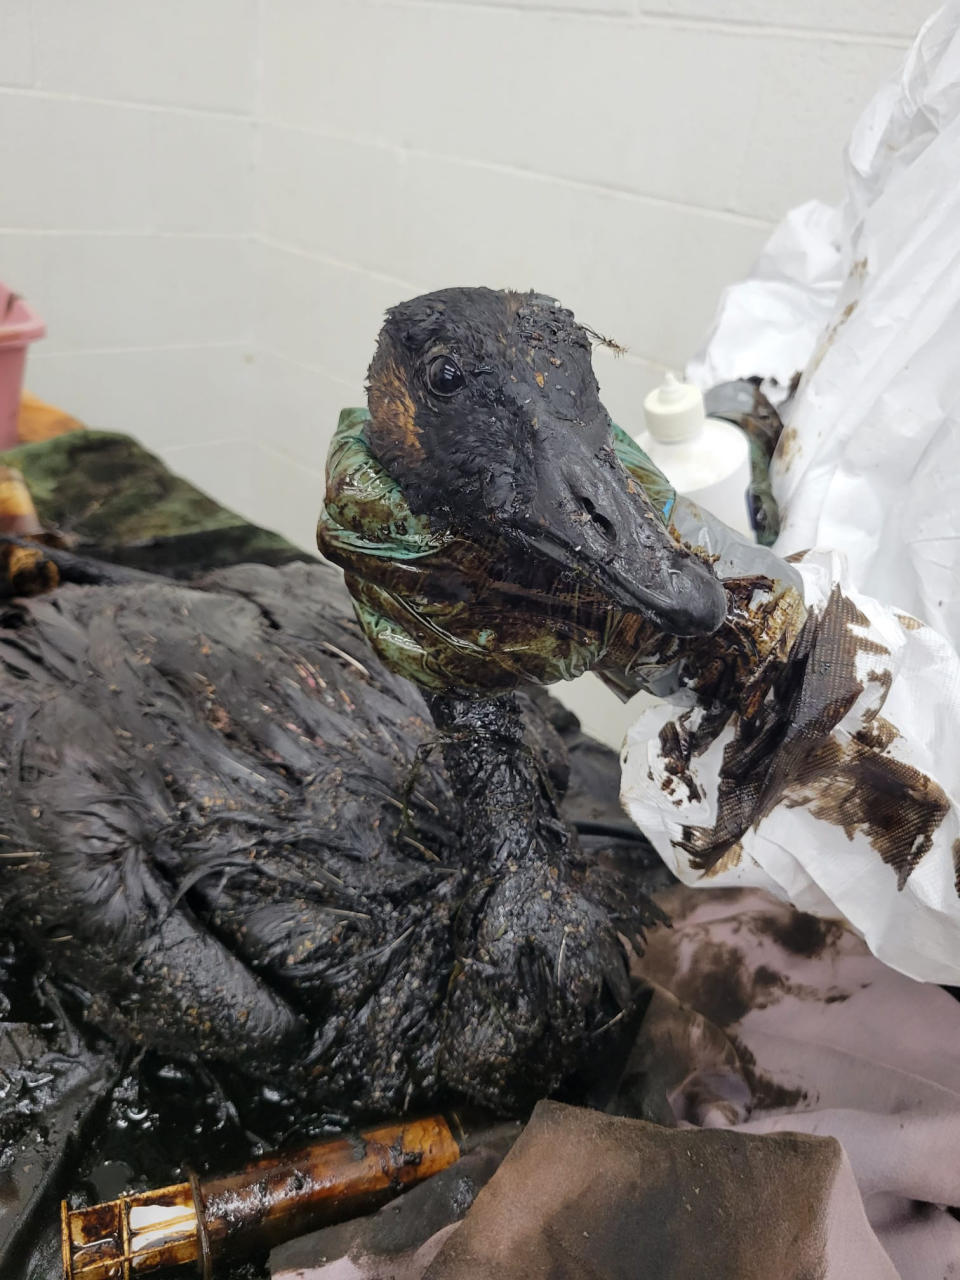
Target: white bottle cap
{"x":674,"y":411}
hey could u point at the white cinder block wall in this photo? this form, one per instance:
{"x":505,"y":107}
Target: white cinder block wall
{"x":126,"y":211}
{"x":628,"y":156}
{"x":212,"y":201}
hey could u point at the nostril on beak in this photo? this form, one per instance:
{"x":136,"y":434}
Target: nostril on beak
{"x":604,"y":527}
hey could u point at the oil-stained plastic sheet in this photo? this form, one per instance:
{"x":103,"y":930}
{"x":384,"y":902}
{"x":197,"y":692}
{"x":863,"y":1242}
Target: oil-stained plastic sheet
{"x":846,"y":800}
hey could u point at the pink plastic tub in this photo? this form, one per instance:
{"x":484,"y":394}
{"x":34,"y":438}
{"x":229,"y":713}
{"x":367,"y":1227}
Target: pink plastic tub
{"x":18,"y":327}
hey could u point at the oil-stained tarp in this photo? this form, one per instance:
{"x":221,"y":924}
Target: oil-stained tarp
{"x":850,"y":806}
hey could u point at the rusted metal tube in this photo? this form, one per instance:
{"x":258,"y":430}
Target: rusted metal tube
{"x":271,"y":1200}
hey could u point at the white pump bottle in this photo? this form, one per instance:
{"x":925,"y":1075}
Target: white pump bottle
{"x":705,"y":459}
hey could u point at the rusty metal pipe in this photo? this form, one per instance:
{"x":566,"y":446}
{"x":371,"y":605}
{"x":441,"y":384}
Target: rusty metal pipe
{"x":271,"y":1200}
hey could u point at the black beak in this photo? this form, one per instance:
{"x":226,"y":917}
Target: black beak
{"x":591,"y":518}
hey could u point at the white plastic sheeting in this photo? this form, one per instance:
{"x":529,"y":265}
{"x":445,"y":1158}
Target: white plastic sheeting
{"x":871,"y":465}
{"x":770,"y":323}
{"x":866,"y":299}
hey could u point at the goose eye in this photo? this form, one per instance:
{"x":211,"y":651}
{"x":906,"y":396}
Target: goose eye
{"x":444,"y":376}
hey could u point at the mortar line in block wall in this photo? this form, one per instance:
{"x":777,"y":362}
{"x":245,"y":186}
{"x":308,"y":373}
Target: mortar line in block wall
{"x":265,"y":349}
{"x":130,"y":233}
{"x":132,"y":104}
{"x":296,"y":462}
{"x":580,"y":184}
{"x":238,"y":344}
{"x":329,"y":260}
{"x":649,"y":364}
{"x":259,"y":62}
{"x":187,"y":445}
{"x":34,"y":23}
{"x":684,"y":22}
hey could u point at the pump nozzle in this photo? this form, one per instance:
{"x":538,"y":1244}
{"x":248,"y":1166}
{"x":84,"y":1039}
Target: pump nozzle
{"x":674,"y":411}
